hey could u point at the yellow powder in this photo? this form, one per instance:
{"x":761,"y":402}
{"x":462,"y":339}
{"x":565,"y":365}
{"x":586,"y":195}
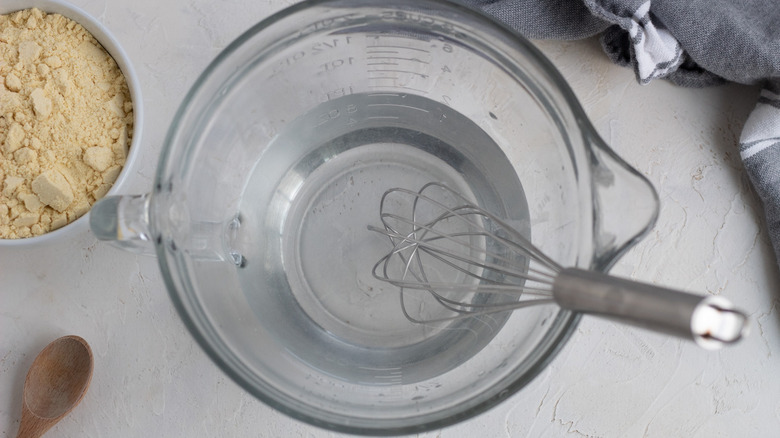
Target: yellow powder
{"x":66,"y":119}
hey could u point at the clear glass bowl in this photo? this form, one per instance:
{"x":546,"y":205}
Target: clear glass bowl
{"x":275,"y":164}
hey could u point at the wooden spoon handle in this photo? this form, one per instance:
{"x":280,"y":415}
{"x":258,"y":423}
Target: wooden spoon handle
{"x":33,"y":426}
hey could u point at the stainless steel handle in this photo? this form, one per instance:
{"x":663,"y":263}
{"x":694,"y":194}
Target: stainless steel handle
{"x":708,"y":320}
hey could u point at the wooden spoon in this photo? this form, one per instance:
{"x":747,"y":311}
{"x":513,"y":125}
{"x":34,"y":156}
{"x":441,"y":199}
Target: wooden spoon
{"x":56,"y":382}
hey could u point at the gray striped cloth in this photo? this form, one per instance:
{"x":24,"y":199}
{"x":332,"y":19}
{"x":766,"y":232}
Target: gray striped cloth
{"x":693,"y":43}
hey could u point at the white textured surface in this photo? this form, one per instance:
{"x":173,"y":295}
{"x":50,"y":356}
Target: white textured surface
{"x":152,"y":380}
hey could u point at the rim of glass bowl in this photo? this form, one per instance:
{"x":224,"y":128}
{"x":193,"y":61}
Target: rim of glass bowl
{"x":195,"y":318}
{"x":112,"y":46}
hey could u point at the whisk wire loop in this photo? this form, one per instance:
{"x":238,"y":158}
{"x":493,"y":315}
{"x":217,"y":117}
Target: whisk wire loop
{"x":499,"y":265}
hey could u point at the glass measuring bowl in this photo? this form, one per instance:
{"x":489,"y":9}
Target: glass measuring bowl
{"x":276,"y":162}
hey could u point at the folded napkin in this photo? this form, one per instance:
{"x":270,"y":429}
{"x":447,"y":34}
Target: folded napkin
{"x":693,"y":43}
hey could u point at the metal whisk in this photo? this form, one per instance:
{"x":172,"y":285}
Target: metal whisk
{"x":453,"y":254}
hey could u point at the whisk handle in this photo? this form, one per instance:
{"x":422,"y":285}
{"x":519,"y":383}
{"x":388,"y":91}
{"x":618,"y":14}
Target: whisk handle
{"x":710,"y":321}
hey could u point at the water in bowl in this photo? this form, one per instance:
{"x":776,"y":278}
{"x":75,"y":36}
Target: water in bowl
{"x":307,"y":204}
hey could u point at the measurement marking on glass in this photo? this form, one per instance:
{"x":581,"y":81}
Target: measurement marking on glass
{"x":418,"y":90}
{"x":377,"y":36}
{"x":403,"y":87}
{"x":381,"y":63}
{"x":422,"y":75}
{"x":399,"y":106}
{"x":400,"y":58}
{"x":397,"y":47}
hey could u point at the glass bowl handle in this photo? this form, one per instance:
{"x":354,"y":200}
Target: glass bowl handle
{"x":123,"y":221}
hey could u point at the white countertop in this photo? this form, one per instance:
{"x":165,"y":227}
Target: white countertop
{"x":151,"y":379}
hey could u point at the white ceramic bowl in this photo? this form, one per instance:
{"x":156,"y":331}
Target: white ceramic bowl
{"x":104,"y":37}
